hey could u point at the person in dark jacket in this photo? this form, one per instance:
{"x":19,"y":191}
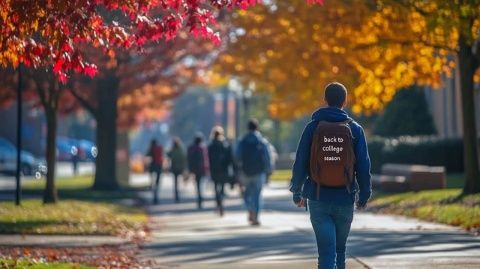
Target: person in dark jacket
{"x":221,"y":163}
{"x":155,"y":152}
{"x":331,"y":212}
{"x":178,"y":161}
{"x":198,"y":164}
{"x":253,"y":158}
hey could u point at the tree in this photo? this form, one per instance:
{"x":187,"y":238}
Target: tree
{"x":375,"y":47}
{"x":42,"y":89}
{"x":131,"y":87}
{"x":406,"y":104}
{"x":49,"y":91}
{"x":53,"y":34}
{"x":458,"y":24}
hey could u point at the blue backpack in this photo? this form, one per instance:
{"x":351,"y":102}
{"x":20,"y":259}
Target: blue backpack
{"x":253,"y":158}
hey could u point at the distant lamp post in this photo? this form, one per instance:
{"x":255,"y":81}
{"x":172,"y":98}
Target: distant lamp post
{"x":246,"y":97}
{"x":18,"y":190}
{"x":218,"y":108}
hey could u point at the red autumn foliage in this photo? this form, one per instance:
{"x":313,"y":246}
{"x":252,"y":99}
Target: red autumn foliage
{"x":51,"y":33}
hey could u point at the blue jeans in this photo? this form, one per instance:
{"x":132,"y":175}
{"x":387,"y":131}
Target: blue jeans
{"x":253,"y":191}
{"x":331,"y":224}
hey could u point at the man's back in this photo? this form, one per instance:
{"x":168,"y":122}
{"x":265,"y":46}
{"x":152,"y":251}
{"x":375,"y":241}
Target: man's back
{"x":331,"y":204}
{"x":253,"y":154}
{"x":301,"y":169}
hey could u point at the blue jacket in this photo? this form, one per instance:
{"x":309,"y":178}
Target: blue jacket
{"x":301,"y":181}
{"x":253,"y":137}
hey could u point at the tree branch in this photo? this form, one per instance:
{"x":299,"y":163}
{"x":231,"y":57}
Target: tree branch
{"x":40,"y":90}
{"x":83,"y":102}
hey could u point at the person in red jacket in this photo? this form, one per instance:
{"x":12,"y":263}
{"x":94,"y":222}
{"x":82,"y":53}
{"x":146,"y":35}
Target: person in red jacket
{"x":198,"y":164}
{"x":156,"y":164}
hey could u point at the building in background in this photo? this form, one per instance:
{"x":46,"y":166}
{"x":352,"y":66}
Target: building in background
{"x":446,"y":107}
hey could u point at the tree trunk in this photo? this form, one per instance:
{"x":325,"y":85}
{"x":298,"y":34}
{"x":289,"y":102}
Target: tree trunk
{"x":50,"y":193}
{"x":106,"y":116}
{"x":466,"y":64}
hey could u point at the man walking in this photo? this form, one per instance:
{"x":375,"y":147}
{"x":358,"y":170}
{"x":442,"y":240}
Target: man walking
{"x":330,"y":174}
{"x":156,"y":164}
{"x":197,"y":157}
{"x":254,"y":163}
{"x":221,"y":162}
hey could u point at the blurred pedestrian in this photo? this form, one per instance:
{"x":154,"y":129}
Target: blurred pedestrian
{"x":155,"y":152}
{"x":254,"y":163}
{"x":273,"y":158}
{"x":178,"y":161}
{"x":198,"y":164}
{"x":74,"y":151}
{"x":221,"y":162}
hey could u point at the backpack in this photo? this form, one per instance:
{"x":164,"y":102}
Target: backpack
{"x":253,"y":159}
{"x":332,"y":157}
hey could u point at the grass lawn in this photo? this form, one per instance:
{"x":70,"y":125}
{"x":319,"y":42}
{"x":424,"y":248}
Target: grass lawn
{"x":281,"y":176}
{"x":442,"y":206}
{"x":80,"y":211}
{"x":30,"y":264}
{"x":63,"y":183}
{"x":78,"y":187}
{"x":69,"y":217}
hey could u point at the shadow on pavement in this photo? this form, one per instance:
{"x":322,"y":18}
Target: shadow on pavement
{"x":376,"y":243}
{"x":236,"y":248}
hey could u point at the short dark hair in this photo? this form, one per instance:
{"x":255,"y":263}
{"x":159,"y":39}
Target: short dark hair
{"x":198,"y":138}
{"x":252,"y":125}
{"x":335,"y":94}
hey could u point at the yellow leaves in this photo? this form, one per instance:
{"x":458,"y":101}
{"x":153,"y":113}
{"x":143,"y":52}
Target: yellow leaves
{"x":303,"y":72}
{"x":215,"y":79}
{"x":34,"y":25}
{"x":258,"y":18}
{"x":239,"y":67}
{"x":374,"y":50}
{"x":284,"y":22}
{"x":227,"y":58}
{"x":242,"y":12}
{"x":335,"y":69}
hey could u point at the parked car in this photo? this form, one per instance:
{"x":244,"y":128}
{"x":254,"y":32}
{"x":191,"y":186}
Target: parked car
{"x":89,"y":150}
{"x":29,"y":165}
{"x":67,"y":148}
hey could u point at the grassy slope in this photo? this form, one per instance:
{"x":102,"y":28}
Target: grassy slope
{"x":443,"y":206}
{"x":79,"y":211}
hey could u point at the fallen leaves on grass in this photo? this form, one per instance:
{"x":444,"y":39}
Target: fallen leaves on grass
{"x":442,"y":206}
{"x":107,"y":257}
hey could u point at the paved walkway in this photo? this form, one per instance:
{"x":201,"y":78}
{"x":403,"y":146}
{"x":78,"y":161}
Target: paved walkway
{"x":184,"y":237}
